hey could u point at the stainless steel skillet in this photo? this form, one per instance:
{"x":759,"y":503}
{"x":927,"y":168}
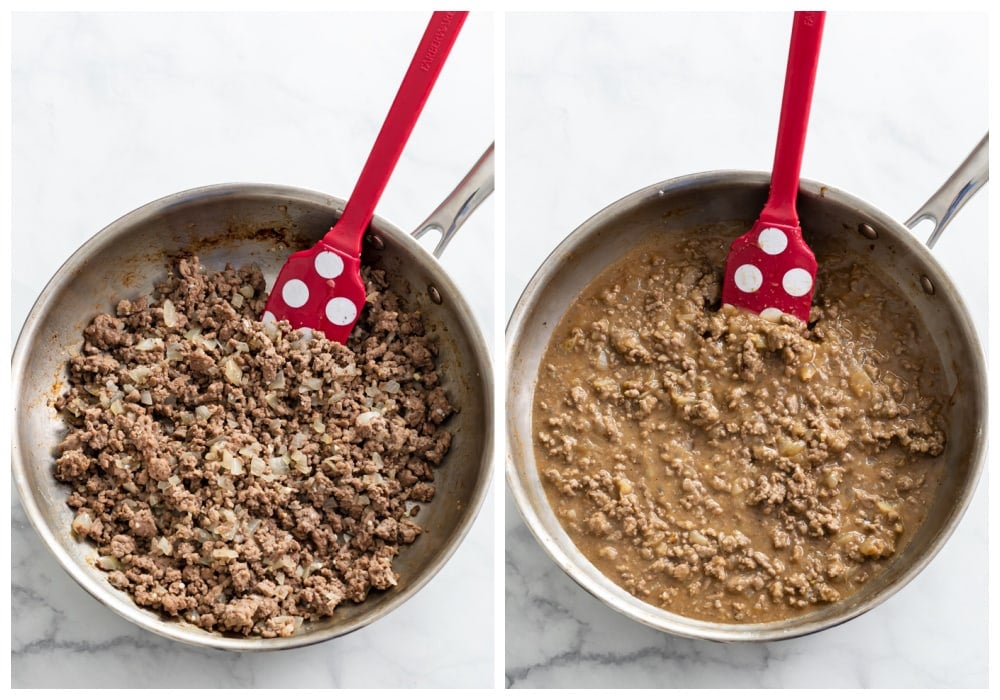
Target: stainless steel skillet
{"x":836,"y":222}
{"x":243,"y":223}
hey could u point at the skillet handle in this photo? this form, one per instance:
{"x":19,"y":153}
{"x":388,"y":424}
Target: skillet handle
{"x":472,"y":191}
{"x":958,"y":189}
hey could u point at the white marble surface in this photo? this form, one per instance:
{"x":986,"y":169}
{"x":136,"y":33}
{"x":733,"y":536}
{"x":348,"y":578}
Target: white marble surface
{"x":599,"y":106}
{"x":111,"y":111}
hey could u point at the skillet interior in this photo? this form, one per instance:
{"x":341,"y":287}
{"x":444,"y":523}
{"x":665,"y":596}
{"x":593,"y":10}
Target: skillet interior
{"x":830,"y":220}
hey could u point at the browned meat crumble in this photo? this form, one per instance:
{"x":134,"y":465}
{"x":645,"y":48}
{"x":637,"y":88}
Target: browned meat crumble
{"x":242,"y":476}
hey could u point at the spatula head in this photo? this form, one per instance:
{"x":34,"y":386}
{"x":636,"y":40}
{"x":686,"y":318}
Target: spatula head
{"x":770,"y":271}
{"x":319,"y":288}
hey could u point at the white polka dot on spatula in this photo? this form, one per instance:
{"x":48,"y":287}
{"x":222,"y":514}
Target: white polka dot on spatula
{"x":269,"y":318}
{"x":748,"y":278}
{"x":772,"y":241}
{"x":771,"y":314}
{"x":340,"y":311}
{"x":328,"y":265}
{"x":295,"y":293}
{"x":797,"y":282}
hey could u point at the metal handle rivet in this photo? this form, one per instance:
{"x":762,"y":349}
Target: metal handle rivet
{"x":867,"y":231}
{"x":434,"y":293}
{"x":926,"y":283}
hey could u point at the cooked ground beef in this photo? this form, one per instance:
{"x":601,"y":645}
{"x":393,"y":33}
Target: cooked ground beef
{"x":726,"y":467}
{"x":245,"y":476}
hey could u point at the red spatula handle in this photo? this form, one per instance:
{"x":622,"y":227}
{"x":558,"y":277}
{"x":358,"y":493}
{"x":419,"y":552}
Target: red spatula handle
{"x":434,"y":47}
{"x":800,"y":76}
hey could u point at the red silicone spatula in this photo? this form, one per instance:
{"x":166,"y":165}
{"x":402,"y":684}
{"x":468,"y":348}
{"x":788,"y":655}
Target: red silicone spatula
{"x":321,"y":287}
{"x":770,"y":269}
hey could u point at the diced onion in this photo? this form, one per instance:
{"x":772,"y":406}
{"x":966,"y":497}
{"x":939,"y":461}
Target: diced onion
{"x":271,"y":328}
{"x":279,"y":466}
{"x":300,"y":462}
{"x":149,"y":344}
{"x":224,"y":553}
{"x":237,"y":300}
{"x":697,"y":538}
{"x":174,"y":352}
{"x":109,"y":563}
{"x":232,"y":370}
{"x":367,"y":417}
{"x":231,"y":463}
{"x":391,"y":387}
{"x":230,"y":528}
{"x":602,"y":360}
{"x":169,"y":314}
{"x":163,"y":544}
{"x":279,"y":380}
{"x":257,"y":466}
{"x":202,"y":412}
{"x":207,"y":343}
{"x":315,"y":565}
{"x":81,"y":523}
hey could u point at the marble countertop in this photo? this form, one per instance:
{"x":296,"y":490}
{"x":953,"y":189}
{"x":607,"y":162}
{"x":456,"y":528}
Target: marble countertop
{"x":599,"y":106}
{"x":111,"y":111}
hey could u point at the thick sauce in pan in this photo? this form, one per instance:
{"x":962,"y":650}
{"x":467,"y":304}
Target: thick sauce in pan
{"x":728,"y":468}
